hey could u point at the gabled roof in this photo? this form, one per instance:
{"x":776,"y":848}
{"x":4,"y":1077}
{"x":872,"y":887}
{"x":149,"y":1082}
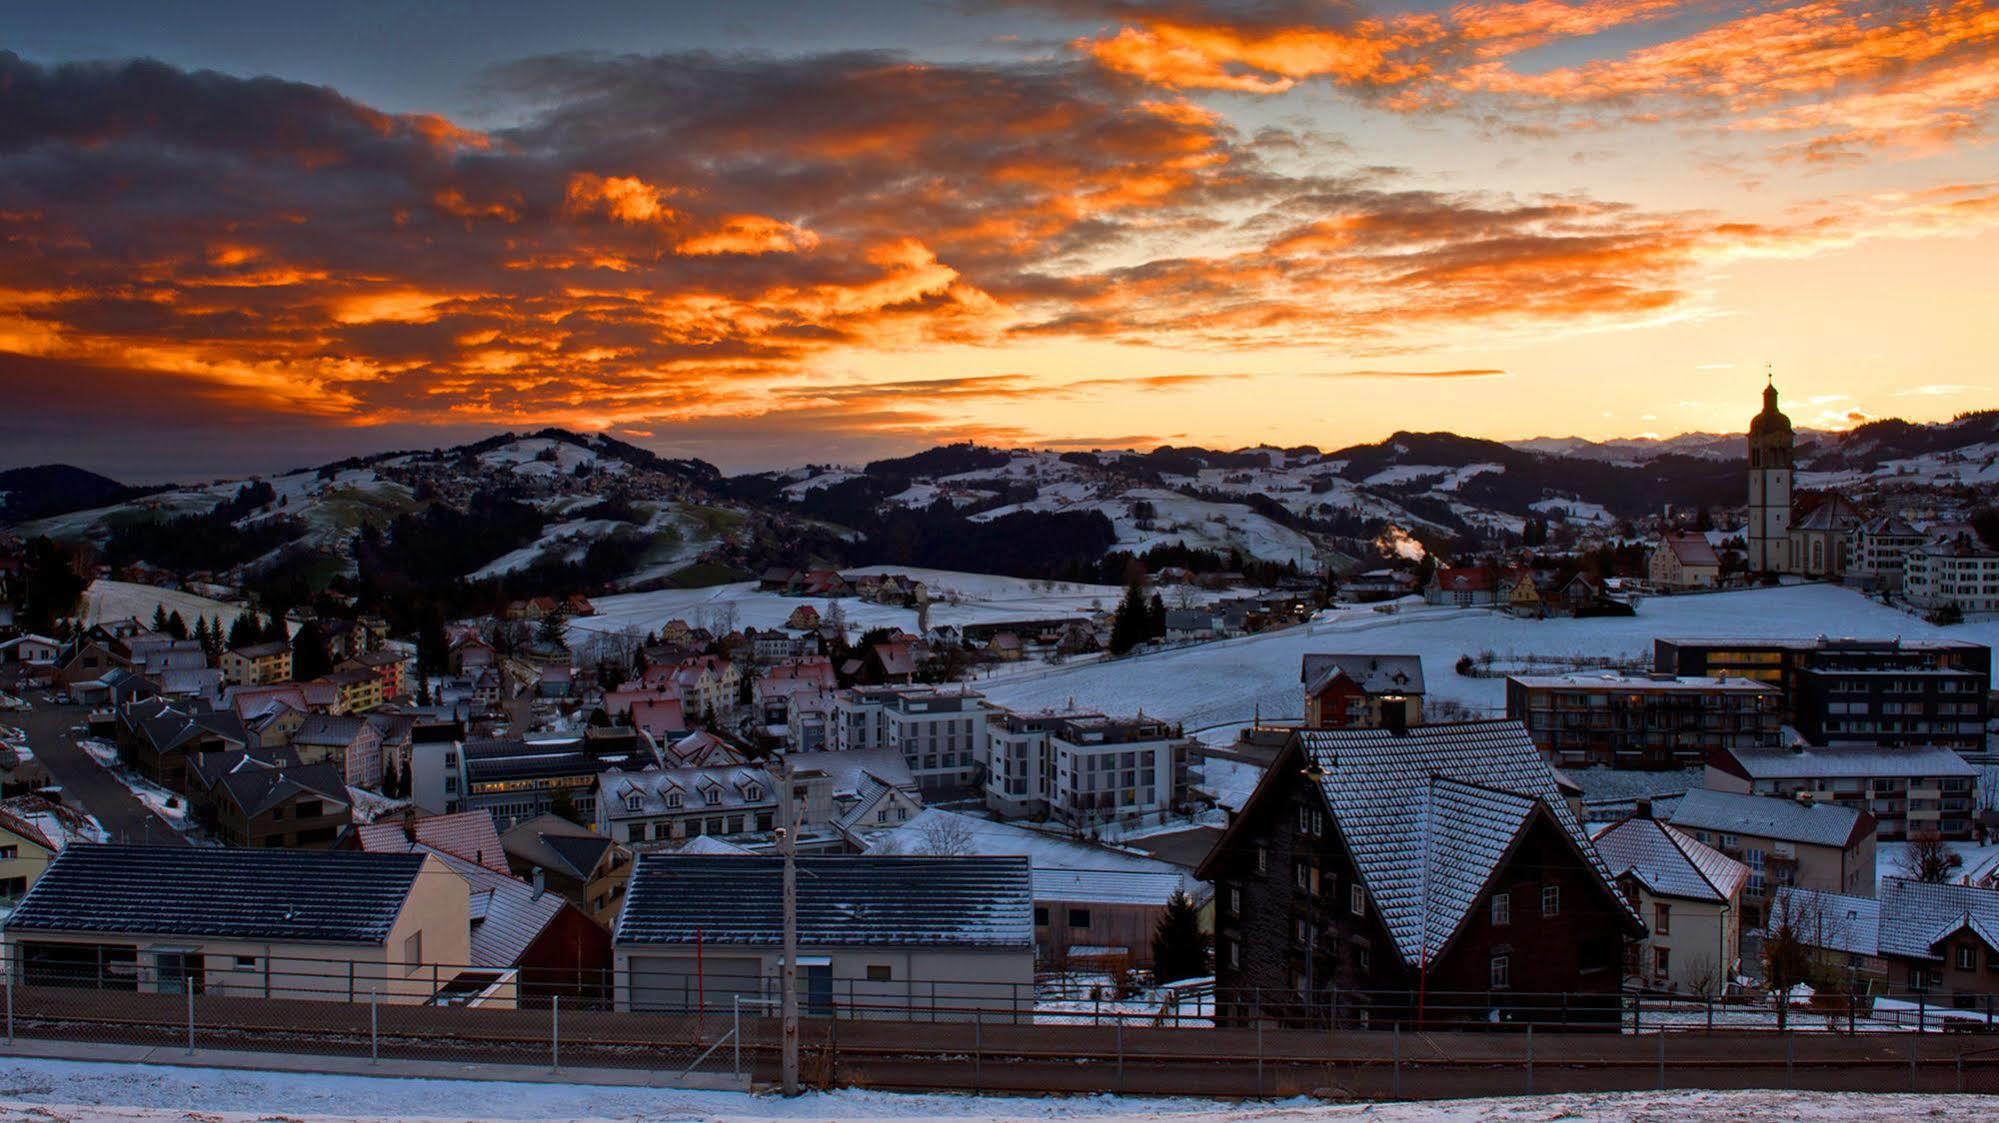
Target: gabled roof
{"x":1832,"y":513}
{"x":328,"y":896}
{"x":557,"y":845}
{"x":1429,"y":815}
{"x":1762,"y":816}
{"x":507,"y":914}
{"x":468,"y":835}
{"x":1691,"y":549}
{"x":256,"y":788}
{"x":330,"y":730}
{"x":1374,"y":674}
{"x":855,"y":901}
{"x":1669,"y":862}
{"x":1907,"y":919}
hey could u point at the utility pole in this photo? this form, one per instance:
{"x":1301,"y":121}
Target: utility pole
{"x":788,"y":846}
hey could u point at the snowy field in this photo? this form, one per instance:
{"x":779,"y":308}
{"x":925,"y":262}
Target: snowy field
{"x":118,"y":600}
{"x":50,"y":1091}
{"x":956,"y":598}
{"x":1217,"y":684}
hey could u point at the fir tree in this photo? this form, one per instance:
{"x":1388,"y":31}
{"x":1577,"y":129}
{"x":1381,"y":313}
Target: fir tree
{"x":245,"y":630}
{"x":201,"y":633}
{"x":1155,"y":618}
{"x":159,"y":618}
{"x":1179,"y":947}
{"x":176,"y":627}
{"x":1130,"y":626}
{"x":310,"y":658}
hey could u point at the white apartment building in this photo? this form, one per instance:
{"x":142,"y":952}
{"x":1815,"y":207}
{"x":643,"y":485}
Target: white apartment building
{"x":941,"y":734}
{"x":1083,"y":768}
{"x":1955,"y":570}
{"x":1881,"y":549}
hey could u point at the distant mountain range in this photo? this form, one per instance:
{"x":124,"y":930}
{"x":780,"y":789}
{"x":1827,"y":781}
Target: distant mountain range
{"x":622,"y":516}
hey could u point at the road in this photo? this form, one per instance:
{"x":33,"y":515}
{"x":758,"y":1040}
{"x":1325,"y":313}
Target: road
{"x":86,"y":782}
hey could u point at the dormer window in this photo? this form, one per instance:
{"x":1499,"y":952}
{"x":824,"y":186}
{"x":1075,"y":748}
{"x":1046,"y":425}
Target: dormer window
{"x":713,"y":796}
{"x":673,"y":799}
{"x":752,"y":792}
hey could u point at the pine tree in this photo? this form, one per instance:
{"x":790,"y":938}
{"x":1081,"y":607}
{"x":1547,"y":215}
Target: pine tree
{"x":389,"y":780}
{"x":1155,"y":618}
{"x":176,"y":627}
{"x":310,"y":658}
{"x":159,"y":618}
{"x":1179,"y":947}
{"x":1129,"y":627}
{"x":201,"y":633}
{"x":245,"y":630}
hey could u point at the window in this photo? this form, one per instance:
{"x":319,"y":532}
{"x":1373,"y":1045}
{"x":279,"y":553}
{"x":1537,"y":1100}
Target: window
{"x":1235,"y":900}
{"x":633,"y":803}
{"x":1502,"y":908}
{"x":1079,"y":918}
{"x":9,"y":853}
{"x":1502,"y":972}
{"x":1262,"y":860}
{"x":880,"y":972}
{"x":712,"y":796}
{"x":412,"y":952}
{"x":246,"y":962}
{"x":1967,"y":958}
{"x":1662,"y":961}
{"x":1041,"y":916}
{"x":1304,"y":875}
{"x":1307,"y":935}
{"x":672,"y":799}
{"x":753,"y":793}
{"x":1662,"y":919}
{"x":1357,"y":899}
{"x":1235,"y":956}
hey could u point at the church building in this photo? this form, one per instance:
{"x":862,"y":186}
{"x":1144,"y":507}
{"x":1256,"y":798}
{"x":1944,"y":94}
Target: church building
{"x":1768,"y":534}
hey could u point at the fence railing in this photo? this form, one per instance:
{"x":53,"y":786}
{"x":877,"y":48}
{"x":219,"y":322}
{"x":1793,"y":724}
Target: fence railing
{"x":711,"y":986}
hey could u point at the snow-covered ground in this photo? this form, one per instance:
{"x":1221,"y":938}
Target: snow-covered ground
{"x":956,"y":598}
{"x":118,"y":600}
{"x":1231,"y":680}
{"x":71,"y":1090}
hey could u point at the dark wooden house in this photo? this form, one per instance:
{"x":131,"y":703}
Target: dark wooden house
{"x":1430,"y":875}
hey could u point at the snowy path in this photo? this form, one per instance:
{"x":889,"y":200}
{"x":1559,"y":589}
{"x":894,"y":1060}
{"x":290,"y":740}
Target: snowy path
{"x":68,"y":1090}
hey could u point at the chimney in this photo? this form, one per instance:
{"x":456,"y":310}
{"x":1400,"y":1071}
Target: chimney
{"x":1641,"y":808}
{"x":540,"y":883}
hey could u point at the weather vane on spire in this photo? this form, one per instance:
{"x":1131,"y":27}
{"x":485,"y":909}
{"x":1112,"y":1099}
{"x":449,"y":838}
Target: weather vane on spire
{"x":1768,"y":377}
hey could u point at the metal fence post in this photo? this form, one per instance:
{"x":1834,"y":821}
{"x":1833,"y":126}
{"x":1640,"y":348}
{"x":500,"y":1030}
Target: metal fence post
{"x":1790,"y":1059}
{"x":978,"y":1051}
{"x":737,"y":1035}
{"x":554,"y":1032}
{"x":1398,"y":1060}
{"x":1530,"y":1058}
{"x":1259,"y":1056}
{"x":189,"y":984}
{"x":1912,"y":1064}
{"x":1662,"y":1058}
{"x":10,"y":1002}
{"x":1120,"y":1053}
{"x":374,"y":1024}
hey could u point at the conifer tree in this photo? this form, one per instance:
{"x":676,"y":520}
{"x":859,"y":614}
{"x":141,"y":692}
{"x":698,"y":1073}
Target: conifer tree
{"x":1179,"y":947}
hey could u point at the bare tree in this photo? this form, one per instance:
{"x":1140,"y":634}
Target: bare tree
{"x":945,"y":835}
{"x":1928,"y":858}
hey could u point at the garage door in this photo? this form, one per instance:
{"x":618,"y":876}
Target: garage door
{"x":662,"y":983}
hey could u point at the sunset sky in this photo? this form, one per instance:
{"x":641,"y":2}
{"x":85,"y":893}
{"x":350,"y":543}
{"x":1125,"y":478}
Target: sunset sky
{"x":242,"y":236}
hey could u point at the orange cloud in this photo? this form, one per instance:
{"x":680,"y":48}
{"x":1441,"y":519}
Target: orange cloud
{"x":622,"y":197}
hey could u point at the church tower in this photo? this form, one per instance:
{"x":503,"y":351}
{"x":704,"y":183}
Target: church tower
{"x":1769,"y":530}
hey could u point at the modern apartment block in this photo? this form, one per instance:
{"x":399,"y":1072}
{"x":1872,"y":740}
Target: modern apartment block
{"x":1083,"y":768}
{"x":1906,"y":789}
{"x":1641,"y":721}
{"x":1856,"y":692}
{"x":941,"y":734}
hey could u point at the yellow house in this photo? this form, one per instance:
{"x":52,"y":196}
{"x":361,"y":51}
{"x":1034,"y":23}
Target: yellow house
{"x":258,"y":664}
{"x":24,"y":853}
{"x":332,"y":925}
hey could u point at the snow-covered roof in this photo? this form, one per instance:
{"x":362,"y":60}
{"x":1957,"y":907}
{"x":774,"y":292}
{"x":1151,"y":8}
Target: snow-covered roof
{"x":1106,"y":887}
{"x":1428,"y":815}
{"x":1762,"y":816}
{"x":1669,"y":862}
{"x":843,"y":900}
{"x":1374,"y":674}
{"x":1846,"y":762}
{"x":1906,"y":918}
